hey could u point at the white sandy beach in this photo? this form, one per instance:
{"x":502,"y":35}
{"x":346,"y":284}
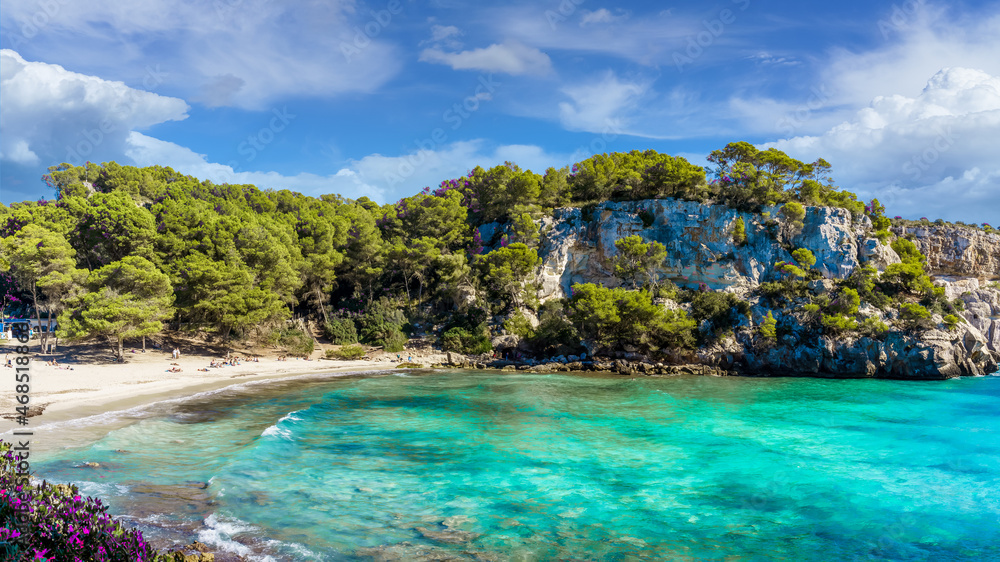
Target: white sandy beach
{"x":78,"y":390}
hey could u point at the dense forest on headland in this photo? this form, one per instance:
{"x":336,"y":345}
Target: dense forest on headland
{"x":126,"y":252}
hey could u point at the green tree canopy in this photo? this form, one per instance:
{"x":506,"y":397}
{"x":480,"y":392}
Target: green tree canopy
{"x":42,"y":262}
{"x":639,"y":262}
{"x":129,"y":298}
{"x":505,"y":272}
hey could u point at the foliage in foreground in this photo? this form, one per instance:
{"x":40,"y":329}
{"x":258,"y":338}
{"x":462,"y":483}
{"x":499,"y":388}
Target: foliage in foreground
{"x":61,"y":525}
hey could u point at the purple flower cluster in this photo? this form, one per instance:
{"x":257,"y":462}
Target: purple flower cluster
{"x":60,"y":524}
{"x":476,"y":247}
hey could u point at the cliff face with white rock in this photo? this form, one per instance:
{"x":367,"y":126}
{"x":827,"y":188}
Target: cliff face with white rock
{"x":956,"y":251}
{"x":578,"y":246}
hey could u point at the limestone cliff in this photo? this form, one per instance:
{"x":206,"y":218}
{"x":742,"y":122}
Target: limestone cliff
{"x":956,"y":250}
{"x":578,"y":246}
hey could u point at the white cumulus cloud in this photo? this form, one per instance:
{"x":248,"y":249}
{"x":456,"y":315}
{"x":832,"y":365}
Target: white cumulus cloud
{"x":509,"y":58}
{"x":601,"y":16}
{"x":53,"y":115}
{"x":600,"y":105}
{"x":246,"y":53}
{"x":932,"y":154}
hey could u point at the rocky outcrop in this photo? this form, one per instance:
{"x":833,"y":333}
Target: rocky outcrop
{"x":982,"y":308}
{"x":934,"y":355}
{"x":954,"y":250}
{"x":578,"y":246}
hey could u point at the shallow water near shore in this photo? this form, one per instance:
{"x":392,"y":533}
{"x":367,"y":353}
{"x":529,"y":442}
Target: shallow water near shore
{"x":489,"y":466}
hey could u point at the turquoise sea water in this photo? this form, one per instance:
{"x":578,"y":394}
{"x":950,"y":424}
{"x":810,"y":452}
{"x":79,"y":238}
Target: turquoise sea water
{"x":483,"y":466}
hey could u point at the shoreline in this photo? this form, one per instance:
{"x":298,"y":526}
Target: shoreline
{"x":78,"y":390}
{"x":89,"y":390}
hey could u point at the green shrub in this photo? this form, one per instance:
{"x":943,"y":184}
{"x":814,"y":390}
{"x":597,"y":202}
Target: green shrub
{"x":341,"y":331}
{"x":908,"y":251}
{"x":778,"y":291}
{"x":847,"y":302}
{"x":618,"y":317}
{"x":836,"y":324}
{"x":769,"y":327}
{"x":519,"y":325}
{"x":905,"y":278}
{"x":667,"y":289}
{"x":297,"y":343}
{"x":554,"y":331}
{"x":347,"y":352}
{"x":873,"y":327}
{"x":739,"y":232}
{"x":914,"y":316}
{"x":463,"y":341}
{"x":805,"y":257}
{"x":863,"y":280}
{"x":382,"y":325}
{"x":506,"y":273}
{"x":394,"y":341}
{"x":647,"y":217}
{"x":722,"y":310}
{"x":951,"y":322}
{"x":794,"y":212}
{"x":883,"y":236}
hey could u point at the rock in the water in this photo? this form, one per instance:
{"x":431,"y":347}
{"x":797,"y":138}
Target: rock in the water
{"x":450,"y":536}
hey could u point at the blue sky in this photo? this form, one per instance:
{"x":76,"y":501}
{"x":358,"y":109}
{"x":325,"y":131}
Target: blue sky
{"x":382,"y":98}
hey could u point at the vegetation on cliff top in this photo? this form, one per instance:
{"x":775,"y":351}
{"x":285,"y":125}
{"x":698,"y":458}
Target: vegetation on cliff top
{"x":124,"y":252}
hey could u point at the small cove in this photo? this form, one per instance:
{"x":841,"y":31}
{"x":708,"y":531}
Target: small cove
{"x":489,"y":466}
